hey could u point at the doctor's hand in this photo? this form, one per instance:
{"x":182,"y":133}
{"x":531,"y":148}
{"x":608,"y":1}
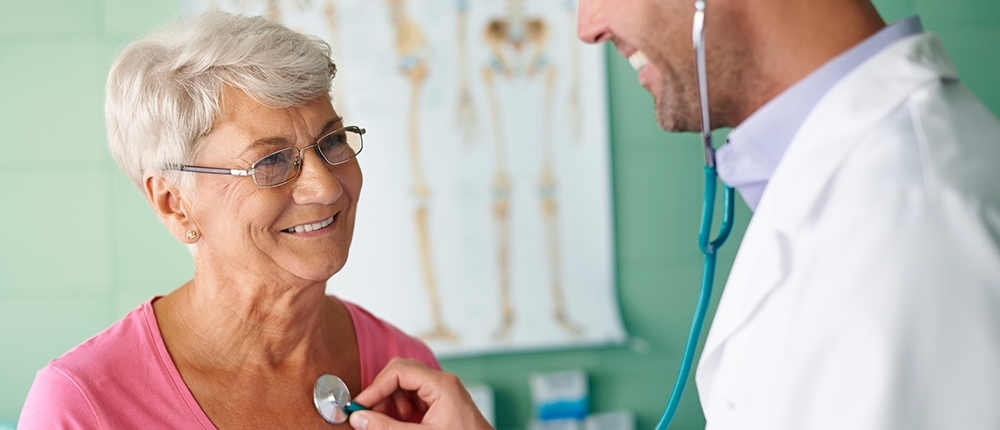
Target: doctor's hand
{"x":413,"y":386}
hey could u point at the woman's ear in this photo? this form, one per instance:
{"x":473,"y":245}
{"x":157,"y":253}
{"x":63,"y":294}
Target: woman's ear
{"x":169,"y":205}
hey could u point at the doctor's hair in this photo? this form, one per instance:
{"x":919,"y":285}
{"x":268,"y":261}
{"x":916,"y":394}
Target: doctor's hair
{"x":164,"y":92}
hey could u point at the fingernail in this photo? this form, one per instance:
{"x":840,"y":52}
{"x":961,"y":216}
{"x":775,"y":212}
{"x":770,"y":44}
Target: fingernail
{"x":359,"y":421}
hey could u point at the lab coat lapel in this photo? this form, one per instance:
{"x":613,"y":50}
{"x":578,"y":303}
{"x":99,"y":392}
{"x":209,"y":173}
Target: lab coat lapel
{"x":833,"y":129}
{"x":844,"y":116}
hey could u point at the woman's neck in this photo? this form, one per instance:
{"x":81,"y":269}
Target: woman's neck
{"x":249,"y":322}
{"x":250,"y":350}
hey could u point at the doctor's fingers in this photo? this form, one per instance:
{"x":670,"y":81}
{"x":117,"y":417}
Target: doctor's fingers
{"x":402,"y":374}
{"x":444,"y":418}
{"x":406,"y":403}
{"x":371,"y":420}
{"x":440,"y":395}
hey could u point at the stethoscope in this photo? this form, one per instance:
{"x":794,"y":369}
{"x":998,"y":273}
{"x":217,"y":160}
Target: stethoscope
{"x":333,"y":399}
{"x":708,"y":247}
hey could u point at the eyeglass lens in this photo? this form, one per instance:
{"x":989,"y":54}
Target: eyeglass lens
{"x":281,"y":166}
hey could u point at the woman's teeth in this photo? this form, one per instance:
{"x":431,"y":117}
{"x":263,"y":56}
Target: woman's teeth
{"x":309,"y":227}
{"x":638,"y":60}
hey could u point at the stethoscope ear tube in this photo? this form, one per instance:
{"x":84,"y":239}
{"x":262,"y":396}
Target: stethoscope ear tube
{"x":709,"y":247}
{"x":698,"y":37}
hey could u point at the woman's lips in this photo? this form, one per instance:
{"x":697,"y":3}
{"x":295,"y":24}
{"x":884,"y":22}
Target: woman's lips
{"x":305,"y":228}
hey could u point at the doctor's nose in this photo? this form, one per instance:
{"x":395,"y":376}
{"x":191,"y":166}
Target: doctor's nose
{"x":591,"y":25}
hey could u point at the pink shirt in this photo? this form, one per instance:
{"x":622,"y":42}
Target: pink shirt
{"x":123,"y":377}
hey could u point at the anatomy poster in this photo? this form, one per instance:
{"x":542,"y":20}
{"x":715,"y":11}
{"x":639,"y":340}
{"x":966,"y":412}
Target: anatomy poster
{"x":484,"y":223}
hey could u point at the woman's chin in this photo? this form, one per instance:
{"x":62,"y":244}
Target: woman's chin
{"x":320,"y":271}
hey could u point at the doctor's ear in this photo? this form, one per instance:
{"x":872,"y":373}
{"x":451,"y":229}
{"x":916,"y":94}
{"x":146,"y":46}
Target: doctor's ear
{"x":167,"y":200}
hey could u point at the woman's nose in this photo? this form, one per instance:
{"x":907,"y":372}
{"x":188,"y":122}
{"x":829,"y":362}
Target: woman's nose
{"x":316,"y":182}
{"x":591,"y":24}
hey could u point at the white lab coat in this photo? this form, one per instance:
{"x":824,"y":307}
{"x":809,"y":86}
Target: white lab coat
{"x":866,"y":292}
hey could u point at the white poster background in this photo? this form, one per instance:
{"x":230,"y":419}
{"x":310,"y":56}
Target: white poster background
{"x":384,"y":272}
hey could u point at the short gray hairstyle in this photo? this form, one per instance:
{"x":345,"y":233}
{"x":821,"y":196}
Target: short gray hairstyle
{"x":164,"y":91}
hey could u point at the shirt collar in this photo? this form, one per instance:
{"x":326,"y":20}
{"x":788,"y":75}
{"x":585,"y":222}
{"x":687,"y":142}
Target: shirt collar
{"x":755,"y":147}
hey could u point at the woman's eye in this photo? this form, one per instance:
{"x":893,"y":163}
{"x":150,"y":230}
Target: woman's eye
{"x":333,"y":140}
{"x":271,"y":160}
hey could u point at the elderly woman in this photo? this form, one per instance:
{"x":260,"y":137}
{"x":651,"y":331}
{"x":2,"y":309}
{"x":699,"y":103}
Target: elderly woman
{"x":226,"y":125}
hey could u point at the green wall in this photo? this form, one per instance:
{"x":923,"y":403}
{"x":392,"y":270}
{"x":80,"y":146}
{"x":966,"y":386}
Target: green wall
{"x":79,"y":247}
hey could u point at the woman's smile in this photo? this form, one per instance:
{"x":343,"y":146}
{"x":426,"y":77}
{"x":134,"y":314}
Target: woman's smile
{"x":318,"y":227}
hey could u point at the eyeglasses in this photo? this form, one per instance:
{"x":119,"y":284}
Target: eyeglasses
{"x":281,"y":166}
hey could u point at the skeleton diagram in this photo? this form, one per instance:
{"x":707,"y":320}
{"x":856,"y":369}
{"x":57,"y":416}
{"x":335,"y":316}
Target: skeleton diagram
{"x":465,"y":111}
{"x":575,"y":109}
{"x":272,"y":10}
{"x":412,"y":47}
{"x":518,"y":43}
{"x":331,"y":15}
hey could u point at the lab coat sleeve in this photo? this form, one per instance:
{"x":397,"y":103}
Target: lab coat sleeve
{"x":56,"y":402}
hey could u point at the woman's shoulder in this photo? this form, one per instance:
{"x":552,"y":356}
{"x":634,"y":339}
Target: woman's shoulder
{"x":114,"y":347}
{"x":380,"y":340}
{"x":56,"y":401}
{"x":68,"y":388}
{"x":106,"y":379}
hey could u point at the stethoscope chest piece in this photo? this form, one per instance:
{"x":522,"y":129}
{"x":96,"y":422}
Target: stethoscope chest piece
{"x":332,"y":399}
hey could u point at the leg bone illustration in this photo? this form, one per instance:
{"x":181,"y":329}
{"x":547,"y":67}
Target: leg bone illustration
{"x":550,"y":212}
{"x":332,"y":16}
{"x":575,"y":107}
{"x":501,"y":210}
{"x":465,"y":110}
{"x":411,"y":46}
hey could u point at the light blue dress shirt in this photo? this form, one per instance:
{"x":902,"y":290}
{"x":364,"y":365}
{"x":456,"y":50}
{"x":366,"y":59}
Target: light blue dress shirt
{"x":755,"y":147}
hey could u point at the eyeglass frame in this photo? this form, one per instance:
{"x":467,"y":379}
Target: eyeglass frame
{"x":298,"y":159}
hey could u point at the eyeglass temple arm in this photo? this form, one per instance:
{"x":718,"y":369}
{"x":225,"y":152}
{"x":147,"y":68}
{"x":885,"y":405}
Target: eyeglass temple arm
{"x":216,"y":171}
{"x":239,"y":172}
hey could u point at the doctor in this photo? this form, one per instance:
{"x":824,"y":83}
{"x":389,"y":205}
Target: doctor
{"x":866,"y":292}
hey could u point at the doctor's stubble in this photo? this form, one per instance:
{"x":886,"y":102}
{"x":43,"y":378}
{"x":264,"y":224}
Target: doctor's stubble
{"x":733,"y":79}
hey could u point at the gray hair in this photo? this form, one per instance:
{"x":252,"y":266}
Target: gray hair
{"x":164,"y":91}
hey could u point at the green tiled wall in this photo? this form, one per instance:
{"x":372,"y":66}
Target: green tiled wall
{"x":62,"y":240}
{"x":80,"y":248}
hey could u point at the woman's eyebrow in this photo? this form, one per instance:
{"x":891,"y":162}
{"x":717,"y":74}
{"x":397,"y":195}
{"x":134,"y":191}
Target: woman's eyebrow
{"x":281,"y":141}
{"x":269,"y":141}
{"x":326,"y":127}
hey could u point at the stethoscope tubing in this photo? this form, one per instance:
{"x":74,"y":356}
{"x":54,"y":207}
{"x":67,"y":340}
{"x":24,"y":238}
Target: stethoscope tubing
{"x":709,"y":247}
